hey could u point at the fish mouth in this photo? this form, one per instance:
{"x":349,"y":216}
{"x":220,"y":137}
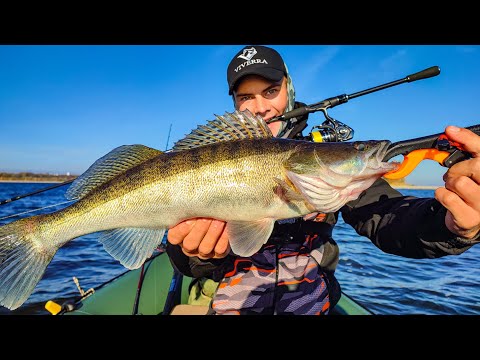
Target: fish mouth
{"x":376,"y":162}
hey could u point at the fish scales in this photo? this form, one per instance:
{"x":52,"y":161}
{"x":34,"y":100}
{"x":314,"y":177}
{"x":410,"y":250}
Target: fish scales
{"x":233,"y":169}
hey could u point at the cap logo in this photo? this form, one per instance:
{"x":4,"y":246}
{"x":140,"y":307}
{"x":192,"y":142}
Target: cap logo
{"x":248,"y":54}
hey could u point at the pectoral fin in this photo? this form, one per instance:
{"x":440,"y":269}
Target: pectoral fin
{"x":246,"y":238}
{"x":287,"y":192}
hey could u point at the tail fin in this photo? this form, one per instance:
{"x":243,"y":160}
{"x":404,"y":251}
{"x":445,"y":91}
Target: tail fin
{"x":23,"y":260}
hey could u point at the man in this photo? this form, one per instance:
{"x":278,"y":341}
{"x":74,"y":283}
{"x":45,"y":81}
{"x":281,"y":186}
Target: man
{"x":293,"y":273}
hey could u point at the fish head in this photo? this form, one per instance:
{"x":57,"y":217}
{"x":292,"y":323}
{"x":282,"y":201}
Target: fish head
{"x":358,"y":160}
{"x":330,"y":174}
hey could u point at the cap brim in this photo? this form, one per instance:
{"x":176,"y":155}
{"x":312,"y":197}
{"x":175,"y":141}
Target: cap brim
{"x":268,"y":73}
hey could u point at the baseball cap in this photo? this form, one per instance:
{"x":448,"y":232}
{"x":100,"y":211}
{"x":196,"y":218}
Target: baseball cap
{"x":258,"y":60}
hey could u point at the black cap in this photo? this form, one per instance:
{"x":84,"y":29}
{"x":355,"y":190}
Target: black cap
{"x":258,"y":60}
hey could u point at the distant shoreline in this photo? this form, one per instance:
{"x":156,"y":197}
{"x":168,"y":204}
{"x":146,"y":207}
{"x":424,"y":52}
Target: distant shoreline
{"x":32,"y":181}
{"x":418,"y":187}
{"x":28,"y":177}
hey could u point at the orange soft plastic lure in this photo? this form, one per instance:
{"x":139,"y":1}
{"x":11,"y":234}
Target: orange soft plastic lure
{"x":435,"y":147}
{"x":412,"y":159}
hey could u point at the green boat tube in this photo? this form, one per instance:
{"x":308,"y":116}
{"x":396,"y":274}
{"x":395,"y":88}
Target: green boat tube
{"x":157,"y":292}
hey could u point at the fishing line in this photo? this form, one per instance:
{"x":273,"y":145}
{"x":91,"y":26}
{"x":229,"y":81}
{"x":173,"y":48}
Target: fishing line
{"x":29,"y":211}
{"x":35,"y":192}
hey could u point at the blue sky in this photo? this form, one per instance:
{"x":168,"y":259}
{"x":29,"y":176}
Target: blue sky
{"x":64,"y":106}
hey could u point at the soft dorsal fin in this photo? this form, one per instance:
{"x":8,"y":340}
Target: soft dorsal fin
{"x":107,"y":167}
{"x":231,"y":126}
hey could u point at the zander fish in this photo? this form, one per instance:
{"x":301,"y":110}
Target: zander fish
{"x":231,"y":169}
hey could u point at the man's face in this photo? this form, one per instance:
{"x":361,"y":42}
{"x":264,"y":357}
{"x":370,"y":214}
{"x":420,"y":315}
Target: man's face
{"x":262,"y":97}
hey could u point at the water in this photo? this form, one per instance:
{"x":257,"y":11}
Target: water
{"x":83,"y":257}
{"x":389,"y":284}
{"x":384,"y":283}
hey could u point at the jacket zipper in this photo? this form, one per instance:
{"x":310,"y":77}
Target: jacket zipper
{"x":275,"y":291}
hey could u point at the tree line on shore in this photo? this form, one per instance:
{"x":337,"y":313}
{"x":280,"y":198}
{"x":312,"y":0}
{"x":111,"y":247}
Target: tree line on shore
{"x":29,"y":176}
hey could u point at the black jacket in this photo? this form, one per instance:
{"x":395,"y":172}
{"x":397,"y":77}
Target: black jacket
{"x":401,"y":225}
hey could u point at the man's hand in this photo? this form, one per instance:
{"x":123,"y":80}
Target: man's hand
{"x":461,"y":194}
{"x":205,"y":238}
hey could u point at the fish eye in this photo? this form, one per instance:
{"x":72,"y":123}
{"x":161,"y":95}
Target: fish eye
{"x":359,"y":146}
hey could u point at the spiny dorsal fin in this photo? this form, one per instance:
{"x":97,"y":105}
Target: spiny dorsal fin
{"x":231,"y":126}
{"x":107,"y":167}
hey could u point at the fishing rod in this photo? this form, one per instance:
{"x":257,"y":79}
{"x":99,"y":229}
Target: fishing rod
{"x":330,"y":130}
{"x":168,"y":137}
{"x":6,"y":201}
{"x":334,"y":130}
{"x":3,"y":202}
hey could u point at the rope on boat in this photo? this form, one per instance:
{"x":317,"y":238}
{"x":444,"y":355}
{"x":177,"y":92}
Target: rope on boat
{"x":84,"y":294}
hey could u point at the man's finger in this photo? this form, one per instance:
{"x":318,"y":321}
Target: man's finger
{"x":466,"y":188}
{"x":469,"y":168}
{"x":196,"y":235}
{"x":222,"y":248}
{"x":465,"y":218}
{"x":177,"y":233}
{"x":190,"y":254}
{"x":205,"y":249}
{"x":468,"y":139}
